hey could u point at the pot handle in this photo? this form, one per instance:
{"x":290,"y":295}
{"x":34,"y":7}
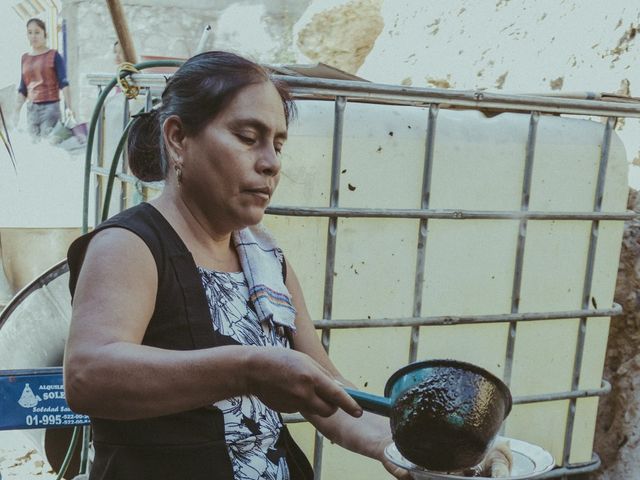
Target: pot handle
{"x":371,"y":403}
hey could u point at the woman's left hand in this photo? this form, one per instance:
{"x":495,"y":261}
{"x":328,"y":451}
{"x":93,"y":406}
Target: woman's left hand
{"x":69,"y":115}
{"x":399,"y":473}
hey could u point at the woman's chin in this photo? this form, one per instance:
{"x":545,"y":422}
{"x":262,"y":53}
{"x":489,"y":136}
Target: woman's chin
{"x":252,"y":216}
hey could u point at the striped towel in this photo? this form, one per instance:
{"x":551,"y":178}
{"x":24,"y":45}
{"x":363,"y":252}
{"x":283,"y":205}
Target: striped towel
{"x":261,"y":262}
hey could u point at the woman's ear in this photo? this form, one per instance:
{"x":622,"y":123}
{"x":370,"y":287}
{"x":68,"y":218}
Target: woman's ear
{"x":173,"y":134}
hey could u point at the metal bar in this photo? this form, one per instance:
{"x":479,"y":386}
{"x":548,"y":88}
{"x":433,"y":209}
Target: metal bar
{"x":413,"y":213}
{"x":140,"y":186}
{"x":599,"y":108}
{"x":476,"y":99}
{"x":552,"y":397}
{"x":588,"y":280}
{"x":447,"y":214}
{"x":88,"y":155}
{"x":305,"y":87}
{"x":332,"y":234}
{"x":125,"y":164}
{"x":99,"y":162}
{"x":40,"y":282}
{"x":293,"y":418}
{"x":332,"y":231}
{"x":122,"y":30}
{"x":525,"y":399}
{"x":148,"y":100}
{"x":569,"y":471}
{"x":521,"y":400}
{"x":125,"y":177}
{"x":422,"y":230}
{"x":522,"y":237}
{"x":203,"y":39}
{"x":615,"y":310}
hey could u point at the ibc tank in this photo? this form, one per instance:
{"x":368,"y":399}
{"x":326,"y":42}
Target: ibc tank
{"x":477,"y":163}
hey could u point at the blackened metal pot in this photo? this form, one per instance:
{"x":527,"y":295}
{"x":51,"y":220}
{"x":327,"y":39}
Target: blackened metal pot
{"x":444,"y":414}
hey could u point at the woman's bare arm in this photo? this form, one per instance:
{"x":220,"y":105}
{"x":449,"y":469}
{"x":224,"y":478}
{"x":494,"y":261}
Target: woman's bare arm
{"x":109,"y":374}
{"x":20,"y":99}
{"x":66,"y":93}
{"x":367,"y":435}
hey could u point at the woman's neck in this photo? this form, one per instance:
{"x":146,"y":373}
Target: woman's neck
{"x":214,"y":247}
{"x":39,"y":50}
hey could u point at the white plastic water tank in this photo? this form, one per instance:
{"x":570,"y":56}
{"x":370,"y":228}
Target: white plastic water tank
{"x":478,"y":164}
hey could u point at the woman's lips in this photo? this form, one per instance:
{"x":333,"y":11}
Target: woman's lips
{"x":263,"y":193}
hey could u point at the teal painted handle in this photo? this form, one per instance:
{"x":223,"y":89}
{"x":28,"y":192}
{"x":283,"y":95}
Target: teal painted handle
{"x":371,"y":403}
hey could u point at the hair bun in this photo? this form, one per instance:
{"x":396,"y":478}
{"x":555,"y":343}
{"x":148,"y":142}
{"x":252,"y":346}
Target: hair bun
{"x":149,"y":114}
{"x":143,"y":147}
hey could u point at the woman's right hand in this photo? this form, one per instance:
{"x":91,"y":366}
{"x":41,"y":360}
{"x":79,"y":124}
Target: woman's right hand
{"x":291,"y":381}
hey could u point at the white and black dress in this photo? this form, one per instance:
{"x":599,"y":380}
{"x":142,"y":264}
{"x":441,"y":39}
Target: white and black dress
{"x":251,"y":428}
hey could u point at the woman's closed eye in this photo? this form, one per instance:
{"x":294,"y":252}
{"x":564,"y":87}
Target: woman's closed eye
{"x":247,"y":137}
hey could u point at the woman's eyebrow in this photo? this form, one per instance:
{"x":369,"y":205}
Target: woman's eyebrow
{"x":258,"y":125}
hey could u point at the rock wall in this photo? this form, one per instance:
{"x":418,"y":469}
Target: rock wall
{"x":618,"y":429}
{"x":512,"y":46}
{"x":340,"y":35}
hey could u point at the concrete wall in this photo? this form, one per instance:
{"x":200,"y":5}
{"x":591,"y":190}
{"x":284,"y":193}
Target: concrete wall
{"x":168,"y":31}
{"x":260,"y":30}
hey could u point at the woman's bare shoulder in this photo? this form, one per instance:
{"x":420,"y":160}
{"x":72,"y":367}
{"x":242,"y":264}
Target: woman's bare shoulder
{"x":119,"y":278}
{"x":119,"y":247}
{"x":115,"y":238}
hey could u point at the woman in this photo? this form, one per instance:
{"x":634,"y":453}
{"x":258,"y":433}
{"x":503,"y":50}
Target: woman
{"x":43,"y":75}
{"x":189,"y":331}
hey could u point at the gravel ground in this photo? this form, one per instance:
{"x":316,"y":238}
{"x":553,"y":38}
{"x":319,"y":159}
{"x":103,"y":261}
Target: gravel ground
{"x":19,"y":459}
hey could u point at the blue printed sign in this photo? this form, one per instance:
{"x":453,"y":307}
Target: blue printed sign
{"x":35,"y":398}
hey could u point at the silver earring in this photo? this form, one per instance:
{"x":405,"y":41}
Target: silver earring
{"x":178,"y":173}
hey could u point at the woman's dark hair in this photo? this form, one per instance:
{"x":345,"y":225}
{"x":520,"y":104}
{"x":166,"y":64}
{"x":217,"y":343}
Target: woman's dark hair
{"x":39,"y":23}
{"x":201,"y":88}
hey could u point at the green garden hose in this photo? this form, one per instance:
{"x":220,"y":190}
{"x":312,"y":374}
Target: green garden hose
{"x":92,"y":129}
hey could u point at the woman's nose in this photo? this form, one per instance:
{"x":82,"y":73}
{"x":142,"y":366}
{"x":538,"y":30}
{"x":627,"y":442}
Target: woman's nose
{"x":269,"y":162}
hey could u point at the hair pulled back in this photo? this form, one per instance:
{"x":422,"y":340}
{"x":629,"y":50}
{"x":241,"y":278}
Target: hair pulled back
{"x":196,"y":93}
{"x":39,"y":23}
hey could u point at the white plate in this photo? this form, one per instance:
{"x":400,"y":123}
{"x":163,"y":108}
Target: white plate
{"x":529,"y":461}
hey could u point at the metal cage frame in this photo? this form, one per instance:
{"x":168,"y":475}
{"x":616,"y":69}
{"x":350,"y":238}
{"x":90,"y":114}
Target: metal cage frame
{"x":342,"y":92}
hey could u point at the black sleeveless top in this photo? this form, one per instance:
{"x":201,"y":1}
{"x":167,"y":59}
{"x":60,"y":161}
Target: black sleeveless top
{"x":186,"y":445}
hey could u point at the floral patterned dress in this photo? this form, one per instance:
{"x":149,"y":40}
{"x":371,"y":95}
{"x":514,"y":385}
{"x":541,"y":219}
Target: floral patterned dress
{"x":251,"y":428}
